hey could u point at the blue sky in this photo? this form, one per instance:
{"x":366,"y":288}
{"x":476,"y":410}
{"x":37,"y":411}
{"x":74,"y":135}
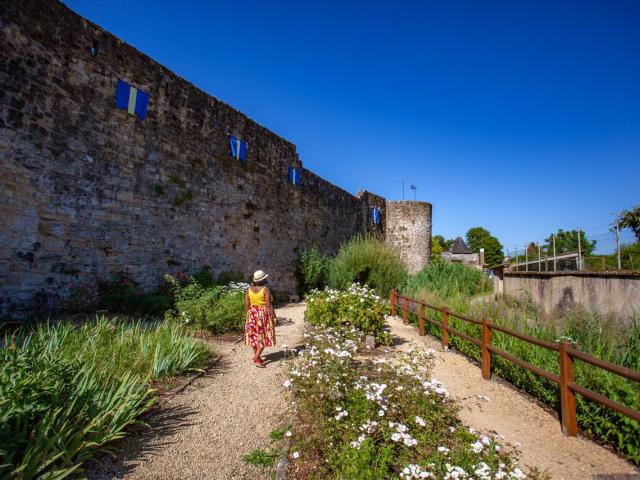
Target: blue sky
{"x":522,"y":117}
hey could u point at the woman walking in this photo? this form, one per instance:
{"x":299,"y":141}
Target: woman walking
{"x":259,"y":329}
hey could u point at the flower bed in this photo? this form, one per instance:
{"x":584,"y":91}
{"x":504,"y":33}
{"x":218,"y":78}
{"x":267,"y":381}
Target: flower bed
{"x":359,"y":306}
{"x":370,"y":418}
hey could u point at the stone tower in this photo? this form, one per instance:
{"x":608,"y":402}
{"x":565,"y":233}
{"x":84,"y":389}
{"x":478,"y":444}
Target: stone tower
{"x":408,"y":230}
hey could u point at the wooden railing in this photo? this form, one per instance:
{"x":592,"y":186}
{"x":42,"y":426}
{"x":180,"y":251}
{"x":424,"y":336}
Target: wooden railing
{"x":567,"y":354}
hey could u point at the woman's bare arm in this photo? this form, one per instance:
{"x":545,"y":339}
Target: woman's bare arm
{"x":267,"y":299}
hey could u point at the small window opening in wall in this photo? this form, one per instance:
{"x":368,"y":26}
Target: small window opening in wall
{"x":94,"y":48}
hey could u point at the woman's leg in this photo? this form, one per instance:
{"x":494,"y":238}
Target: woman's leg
{"x":258,"y":353}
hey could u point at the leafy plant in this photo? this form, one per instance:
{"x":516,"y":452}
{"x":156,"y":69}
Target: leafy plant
{"x":368,"y":261}
{"x":261,"y":458}
{"x":217,"y":309}
{"x":68,"y":392}
{"x":312,"y":270}
{"x":123,"y":295}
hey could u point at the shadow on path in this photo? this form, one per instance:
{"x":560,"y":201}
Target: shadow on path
{"x":151,"y":436}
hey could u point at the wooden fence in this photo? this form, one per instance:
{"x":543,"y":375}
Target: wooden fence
{"x":567,"y":354}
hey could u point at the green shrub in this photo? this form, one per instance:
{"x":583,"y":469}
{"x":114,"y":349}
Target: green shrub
{"x":368,"y":261}
{"x":67,"y":392}
{"x":358,"y":306}
{"x":123,"y":295}
{"x":312,"y":270}
{"x":217,"y":309}
{"x":448,"y":279}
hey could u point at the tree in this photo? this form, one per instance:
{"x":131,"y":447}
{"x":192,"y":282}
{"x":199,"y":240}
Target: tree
{"x":478,"y":238}
{"x":630,"y":219}
{"x":567,"y":241}
{"x":439,"y":245}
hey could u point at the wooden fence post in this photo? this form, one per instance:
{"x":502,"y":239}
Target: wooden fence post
{"x":394,"y":301}
{"x":421,"y":324}
{"x":445,"y":325}
{"x":486,"y":354}
{"x":567,"y":397}
{"x":405,"y":303}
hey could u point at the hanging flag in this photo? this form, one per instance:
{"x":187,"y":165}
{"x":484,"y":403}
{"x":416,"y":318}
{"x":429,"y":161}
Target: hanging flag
{"x":294,"y":176}
{"x":238,"y":148}
{"x":375,"y":215}
{"x":131,"y":99}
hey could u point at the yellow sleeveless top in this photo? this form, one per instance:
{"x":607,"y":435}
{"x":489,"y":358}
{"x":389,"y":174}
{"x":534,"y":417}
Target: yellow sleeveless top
{"x":257,"y":298}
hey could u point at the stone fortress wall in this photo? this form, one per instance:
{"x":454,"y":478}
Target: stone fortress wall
{"x":88,"y":190}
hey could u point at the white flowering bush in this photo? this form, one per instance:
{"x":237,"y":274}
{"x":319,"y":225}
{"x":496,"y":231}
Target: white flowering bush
{"x":359,"y":306}
{"x":365,"y":417}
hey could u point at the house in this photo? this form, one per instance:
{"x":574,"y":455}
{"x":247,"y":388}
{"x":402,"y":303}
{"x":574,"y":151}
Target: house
{"x":458,"y":252}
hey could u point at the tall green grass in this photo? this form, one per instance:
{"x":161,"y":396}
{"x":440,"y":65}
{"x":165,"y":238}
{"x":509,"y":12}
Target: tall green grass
{"x":368,"y":261}
{"x":448,"y":279}
{"x":66,"y":392}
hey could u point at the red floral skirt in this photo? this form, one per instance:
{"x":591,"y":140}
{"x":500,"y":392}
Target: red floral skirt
{"x":259,"y":329}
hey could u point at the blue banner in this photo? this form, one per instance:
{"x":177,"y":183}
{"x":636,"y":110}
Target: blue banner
{"x":375,"y":215}
{"x":131,"y":99}
{"x":238,"y":148}
{"x":294,"y":176}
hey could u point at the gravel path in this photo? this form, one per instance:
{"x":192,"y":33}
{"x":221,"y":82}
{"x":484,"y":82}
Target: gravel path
{"x":205,"y":431}
{"x":517,"y":416}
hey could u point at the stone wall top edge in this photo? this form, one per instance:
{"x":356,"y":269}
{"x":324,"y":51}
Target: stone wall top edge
{"x":408,"y":203}
{"x":31,"y":7}
{"x":620,"y":274}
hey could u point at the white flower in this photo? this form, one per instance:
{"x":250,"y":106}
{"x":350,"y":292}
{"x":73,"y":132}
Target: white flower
{"x":295,"y":454}
{"x":288,"y":433}
{"x":443,"y":449}
{"x":517,"y":473}
{"x":420,"y":421}
{"x":396,"y":437}
{"x":287,"y":383}
{"x":381,"y":413}
{"x":477,"y":446}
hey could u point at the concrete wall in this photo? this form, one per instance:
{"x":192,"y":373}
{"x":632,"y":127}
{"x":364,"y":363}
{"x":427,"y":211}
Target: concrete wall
{"x":606,"y":292}
{"x":88,"y":190}
{"x":408,"y":230}
{"x":472,"y":259}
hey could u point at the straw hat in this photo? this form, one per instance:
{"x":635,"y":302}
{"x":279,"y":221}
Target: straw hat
{"x":259,"y":276}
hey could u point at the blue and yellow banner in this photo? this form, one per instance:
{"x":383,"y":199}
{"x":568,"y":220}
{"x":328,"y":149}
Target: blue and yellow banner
{"x":131,"y":99}
{"x":375,"y":215}
{"x":294,"y":176}
{"x":238,"y":148}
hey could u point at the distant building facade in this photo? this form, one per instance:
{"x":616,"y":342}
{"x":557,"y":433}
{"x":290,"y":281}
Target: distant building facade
{"x":458,"y":252}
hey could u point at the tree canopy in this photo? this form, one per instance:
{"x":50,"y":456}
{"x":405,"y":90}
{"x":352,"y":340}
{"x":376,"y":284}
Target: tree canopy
{"x":630,"y":219}
{"x":479,"y":237}
{"x":439,"y":245}
{"x":567,"y":241}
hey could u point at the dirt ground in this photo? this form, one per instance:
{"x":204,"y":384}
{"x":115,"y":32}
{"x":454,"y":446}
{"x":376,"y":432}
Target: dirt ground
{"x":496,"y":406}
{"x":205,"y":431}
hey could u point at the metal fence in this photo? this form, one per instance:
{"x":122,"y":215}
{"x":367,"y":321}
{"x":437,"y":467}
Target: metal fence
{"x":605,"y":248}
